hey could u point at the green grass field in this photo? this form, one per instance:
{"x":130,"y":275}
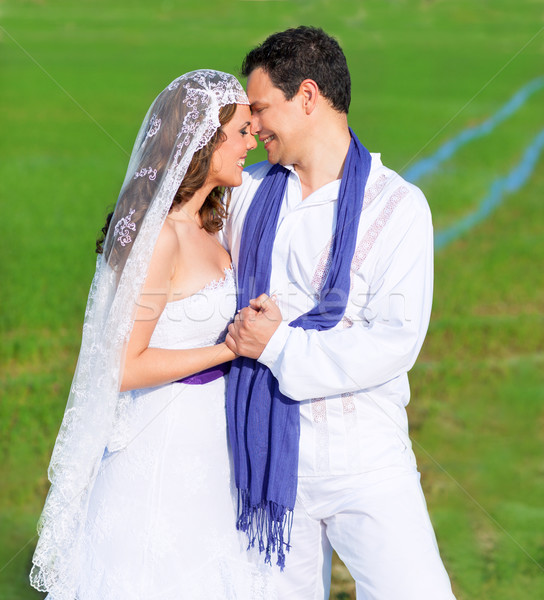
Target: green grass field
{"x":75,"y":82}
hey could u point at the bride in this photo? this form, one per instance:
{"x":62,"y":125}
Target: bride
{"x":140,"y":504}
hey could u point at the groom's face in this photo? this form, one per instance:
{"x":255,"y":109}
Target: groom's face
{"x":274,"y":119}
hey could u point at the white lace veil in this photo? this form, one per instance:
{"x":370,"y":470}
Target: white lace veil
{"x":181,"y":120}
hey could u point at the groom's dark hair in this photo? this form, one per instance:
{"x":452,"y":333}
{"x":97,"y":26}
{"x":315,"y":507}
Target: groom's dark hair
{"x":289,"y":57}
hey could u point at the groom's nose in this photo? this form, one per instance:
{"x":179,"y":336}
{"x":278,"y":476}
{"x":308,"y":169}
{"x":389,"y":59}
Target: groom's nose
{"x":255,"y":125}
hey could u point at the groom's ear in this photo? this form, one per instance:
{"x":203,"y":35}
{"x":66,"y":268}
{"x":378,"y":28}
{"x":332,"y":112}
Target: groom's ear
{"x":308,"y":92}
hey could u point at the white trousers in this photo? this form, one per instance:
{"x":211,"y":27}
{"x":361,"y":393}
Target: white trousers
{"x":379,"y":526}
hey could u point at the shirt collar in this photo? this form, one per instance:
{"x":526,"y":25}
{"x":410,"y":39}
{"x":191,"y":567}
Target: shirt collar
{"x":326,"y":193}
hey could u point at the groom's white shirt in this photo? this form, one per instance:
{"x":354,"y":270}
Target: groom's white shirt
{"x":352,"y":380}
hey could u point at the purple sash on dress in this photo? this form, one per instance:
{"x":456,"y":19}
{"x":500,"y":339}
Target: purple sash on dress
{"x":206,"y":375}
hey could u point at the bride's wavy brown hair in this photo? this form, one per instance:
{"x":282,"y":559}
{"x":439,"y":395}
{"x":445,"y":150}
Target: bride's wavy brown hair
{"x":213,"y":212}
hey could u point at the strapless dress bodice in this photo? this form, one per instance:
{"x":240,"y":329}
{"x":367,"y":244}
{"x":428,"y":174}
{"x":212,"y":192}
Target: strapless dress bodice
{"x":200,"y":319}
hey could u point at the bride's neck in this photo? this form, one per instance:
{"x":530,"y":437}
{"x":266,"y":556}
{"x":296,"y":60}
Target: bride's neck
{"x":190,"y":210}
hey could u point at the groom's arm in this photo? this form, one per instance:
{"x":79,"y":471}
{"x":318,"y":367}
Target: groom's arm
{"x":383,"y":341}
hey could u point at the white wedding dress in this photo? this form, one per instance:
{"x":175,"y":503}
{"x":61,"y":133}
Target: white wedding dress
{"x":161,"y":522}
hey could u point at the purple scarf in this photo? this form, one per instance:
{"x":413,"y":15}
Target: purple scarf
{"x":264,"y":425}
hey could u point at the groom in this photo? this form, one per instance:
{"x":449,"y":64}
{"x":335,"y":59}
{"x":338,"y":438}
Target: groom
{"x":316,"y":403}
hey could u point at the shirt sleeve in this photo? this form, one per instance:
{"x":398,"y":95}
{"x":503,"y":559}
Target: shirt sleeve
{"x":387,"y":325}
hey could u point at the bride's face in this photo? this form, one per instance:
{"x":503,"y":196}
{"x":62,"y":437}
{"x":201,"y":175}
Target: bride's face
{"x":228,"y":160}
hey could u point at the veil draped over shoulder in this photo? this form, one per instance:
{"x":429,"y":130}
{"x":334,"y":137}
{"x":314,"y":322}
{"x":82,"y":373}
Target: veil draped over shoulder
{"x":181,"y":120}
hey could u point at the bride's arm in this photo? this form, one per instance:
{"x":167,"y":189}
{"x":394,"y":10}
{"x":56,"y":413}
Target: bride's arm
{"x":149,"y":367}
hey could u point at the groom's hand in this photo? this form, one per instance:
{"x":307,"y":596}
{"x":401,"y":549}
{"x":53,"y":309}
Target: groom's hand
{"x":254,"y":326}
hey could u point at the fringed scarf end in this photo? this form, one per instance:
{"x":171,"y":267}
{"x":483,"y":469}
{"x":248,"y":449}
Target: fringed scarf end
{"x":268,"y":523}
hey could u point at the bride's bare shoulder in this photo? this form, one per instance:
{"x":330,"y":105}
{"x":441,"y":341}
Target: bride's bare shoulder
{"x":167,"y":244}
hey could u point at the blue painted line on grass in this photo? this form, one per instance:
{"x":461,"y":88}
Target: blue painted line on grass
{"x":448,"y":149}
{"x":512,"y":182}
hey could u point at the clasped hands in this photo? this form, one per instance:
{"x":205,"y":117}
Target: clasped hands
{"x":253,"y":326}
